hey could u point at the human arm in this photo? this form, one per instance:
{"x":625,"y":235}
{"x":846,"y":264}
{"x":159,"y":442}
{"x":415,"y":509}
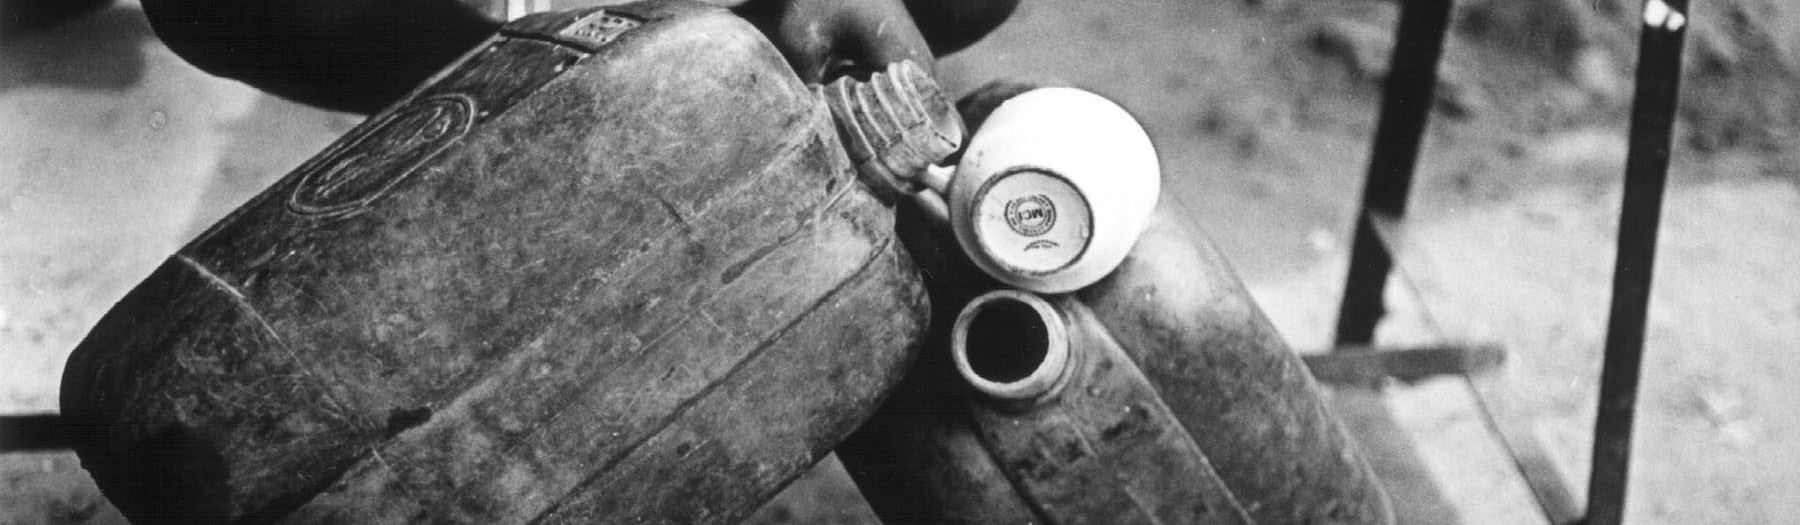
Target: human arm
{"x":361,"y":55}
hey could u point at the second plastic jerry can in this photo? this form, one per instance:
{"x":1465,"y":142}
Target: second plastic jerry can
{"x":1153,"y":392}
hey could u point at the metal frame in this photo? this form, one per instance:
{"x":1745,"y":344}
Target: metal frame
{"x":1406,"y":104}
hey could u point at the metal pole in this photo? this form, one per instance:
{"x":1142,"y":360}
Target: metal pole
{"x":1405,"y":108}
{"x":1646,"y":173}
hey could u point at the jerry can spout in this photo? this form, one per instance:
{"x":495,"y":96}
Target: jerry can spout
{"x":1011,"y":345}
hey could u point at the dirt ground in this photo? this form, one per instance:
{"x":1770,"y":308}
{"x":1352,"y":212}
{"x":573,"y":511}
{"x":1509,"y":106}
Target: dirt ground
{"x":113,"y":152}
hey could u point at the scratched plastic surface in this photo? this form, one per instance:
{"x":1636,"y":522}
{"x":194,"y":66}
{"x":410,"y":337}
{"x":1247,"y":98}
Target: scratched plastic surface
{"x":1187,"y":407}
{"x":556,"y":284}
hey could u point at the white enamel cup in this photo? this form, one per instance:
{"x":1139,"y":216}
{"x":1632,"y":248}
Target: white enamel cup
{"x":1054,"y":189}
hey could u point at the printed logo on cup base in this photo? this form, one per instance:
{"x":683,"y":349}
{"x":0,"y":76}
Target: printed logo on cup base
{"x":1032,"y":221}
{"x":1031,"y":215}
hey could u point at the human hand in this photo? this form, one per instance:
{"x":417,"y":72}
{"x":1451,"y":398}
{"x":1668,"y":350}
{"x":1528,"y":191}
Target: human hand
{"x":826,"y":39}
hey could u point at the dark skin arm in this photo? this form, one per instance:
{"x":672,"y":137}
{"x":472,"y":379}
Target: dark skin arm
{"x":348,"y":55}
{"x":824,"y":39}
{"x":361,"y":55}
{"x":17,"y":16}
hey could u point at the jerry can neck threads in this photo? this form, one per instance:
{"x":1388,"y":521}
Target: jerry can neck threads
{"x":894,"y":126}
{"x":1011,"y":346}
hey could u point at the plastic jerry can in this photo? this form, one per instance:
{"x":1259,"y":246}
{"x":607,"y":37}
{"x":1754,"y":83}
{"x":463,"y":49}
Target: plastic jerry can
{"x":611,"y":266}
{"x":1157,"y":392}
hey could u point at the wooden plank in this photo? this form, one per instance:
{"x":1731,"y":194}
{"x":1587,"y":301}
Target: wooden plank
{"x":1368,"y":368}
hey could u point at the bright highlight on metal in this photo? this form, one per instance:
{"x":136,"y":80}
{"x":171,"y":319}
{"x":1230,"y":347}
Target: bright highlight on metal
{"x":1660,"y":15}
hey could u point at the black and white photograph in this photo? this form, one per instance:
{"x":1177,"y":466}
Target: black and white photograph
{"x":864,"y":262}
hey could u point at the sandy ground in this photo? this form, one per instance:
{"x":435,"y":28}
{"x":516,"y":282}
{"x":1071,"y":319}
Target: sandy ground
{"x":113,"y":153}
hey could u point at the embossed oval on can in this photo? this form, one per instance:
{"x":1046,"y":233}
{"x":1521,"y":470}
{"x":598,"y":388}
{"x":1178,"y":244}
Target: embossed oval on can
{"x":368,"y":166}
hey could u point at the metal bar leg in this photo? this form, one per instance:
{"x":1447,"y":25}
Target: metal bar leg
{"x":1405,"y":108}
{"x":1646,"y":173}
{"x":1406,"y":103}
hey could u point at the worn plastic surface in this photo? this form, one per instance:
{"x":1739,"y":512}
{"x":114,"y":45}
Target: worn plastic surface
{"x":1172,"y":319}
{"x":613,"y":266}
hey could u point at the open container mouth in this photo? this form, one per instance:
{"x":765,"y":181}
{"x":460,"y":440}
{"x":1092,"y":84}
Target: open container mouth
{"x":1010,"y":345}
